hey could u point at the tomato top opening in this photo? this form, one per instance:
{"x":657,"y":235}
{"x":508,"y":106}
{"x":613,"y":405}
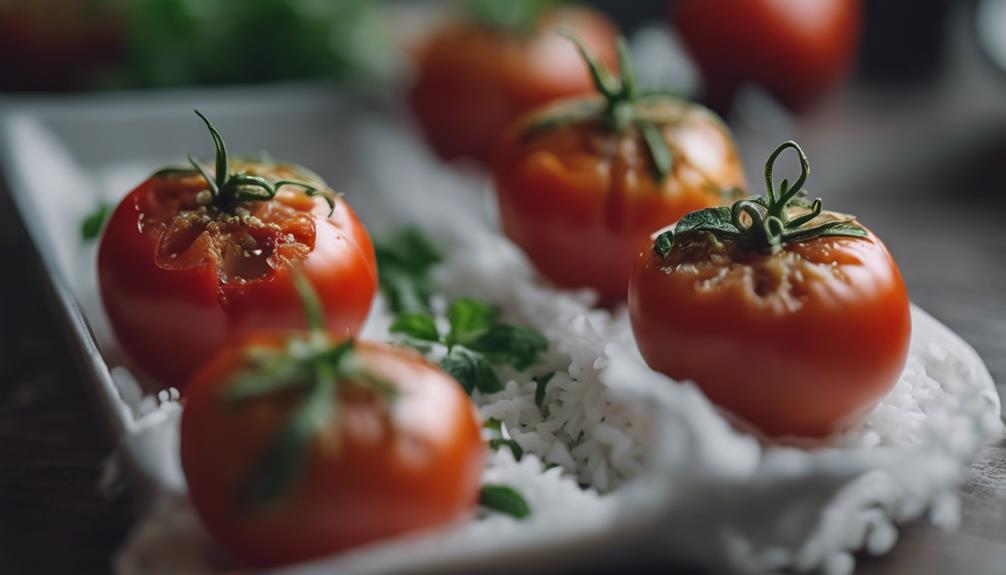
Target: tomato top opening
{"x":778,"y":282}
{"x":246,"y":243}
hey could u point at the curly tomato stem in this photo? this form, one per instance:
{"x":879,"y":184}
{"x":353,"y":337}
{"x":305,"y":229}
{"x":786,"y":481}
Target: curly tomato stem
{"x":767,"y":221}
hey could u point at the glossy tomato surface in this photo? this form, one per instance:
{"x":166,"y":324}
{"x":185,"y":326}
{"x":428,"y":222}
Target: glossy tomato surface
{"x":473,"y":80}
{"x":796,"y":343}
{"x":581,"y":199}
{"x":179,"y":279}
{"x":379,"y":468}
{"x":797,"y":49}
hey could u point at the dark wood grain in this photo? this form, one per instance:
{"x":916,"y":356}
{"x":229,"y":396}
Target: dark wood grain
{"x":53,"y":519}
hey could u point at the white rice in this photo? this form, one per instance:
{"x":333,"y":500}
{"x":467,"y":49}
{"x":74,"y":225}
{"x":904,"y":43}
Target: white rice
{"x":637,"y":453}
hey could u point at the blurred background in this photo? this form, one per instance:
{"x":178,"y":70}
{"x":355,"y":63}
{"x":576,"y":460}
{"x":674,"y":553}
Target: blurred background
{"x":88,"y":45}
{"x":900,"y":104}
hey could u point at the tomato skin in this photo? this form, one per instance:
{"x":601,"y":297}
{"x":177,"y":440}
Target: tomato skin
{"x":797,"y":49}
{"x":473,"y":81}
{"x":367,"y":479}
{"x":170,"y":321}
{"x":580,"y":200}
{"x":803,"y":364}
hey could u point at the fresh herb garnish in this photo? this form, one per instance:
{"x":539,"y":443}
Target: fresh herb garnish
{"x":511,"y":344}
{"x":471,"y":370}
{"x":227,"y":189}
{"x":501,"y":438}
{"x":404,"y":262}
{"x":91,"y":227}
{"x":476,"y":340}
{"x":766,"y":222}
{"x":470,"y":319}
{"x":514,"y":16}
{"x":314,"y":368}
{"x":618,"y":111}
{"x":540,"y":387}
{"x":504,"y":499}
{"x":418,"y":326}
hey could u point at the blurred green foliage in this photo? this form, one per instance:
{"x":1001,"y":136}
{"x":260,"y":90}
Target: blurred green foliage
{"x":184,"y":42}
{"x":88,"y":44}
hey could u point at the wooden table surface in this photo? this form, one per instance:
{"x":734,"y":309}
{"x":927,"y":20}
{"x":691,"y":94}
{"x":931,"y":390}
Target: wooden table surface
{"x":940,"y":208}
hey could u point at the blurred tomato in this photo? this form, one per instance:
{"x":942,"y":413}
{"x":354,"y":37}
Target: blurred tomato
{"x":304,"y":466}
{"x":797,"y":49}
{"x":474,"y":78}
{"x":583,"y":182}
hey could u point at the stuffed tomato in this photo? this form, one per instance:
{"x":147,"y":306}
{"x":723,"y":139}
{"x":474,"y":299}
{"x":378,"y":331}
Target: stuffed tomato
{"x":194,"y":257}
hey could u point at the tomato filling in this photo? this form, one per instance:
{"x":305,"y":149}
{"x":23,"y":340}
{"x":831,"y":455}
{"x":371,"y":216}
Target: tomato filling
{"x":244,"y":245}
{"x":777,"y":281}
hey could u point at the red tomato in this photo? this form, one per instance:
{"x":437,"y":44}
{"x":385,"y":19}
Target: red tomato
{"x":181,"y":274}
{"x":375,"y":467}
{"x":581,"y":196}
{"x":795,"y":342}
{"x":797,"y":49}
{"x":473,"y":80}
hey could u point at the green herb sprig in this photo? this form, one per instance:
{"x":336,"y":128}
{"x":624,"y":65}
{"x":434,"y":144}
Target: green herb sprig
{"x":504,"y":499}
{"x":501,"y":438}
{"x":475,"y":341}
{"x":91,"y":226}
{"x":765,"y":222}
{"x":404,"y":262}
{"x":619,"y":109}
{"x":540,"y":387}
{"x":316,"y":369}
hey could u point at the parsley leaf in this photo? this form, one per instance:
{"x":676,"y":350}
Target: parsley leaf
{"x":501,"y":437}
{"x":404,"y":262}
{"x":92,"y":225}
{"x":471,"y":370}
{"x":418,"y":326}
{"x":476,"y":338}
{"x":504,"y":499}
{"x":470,"y":319}
{"x":504,"y":343}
